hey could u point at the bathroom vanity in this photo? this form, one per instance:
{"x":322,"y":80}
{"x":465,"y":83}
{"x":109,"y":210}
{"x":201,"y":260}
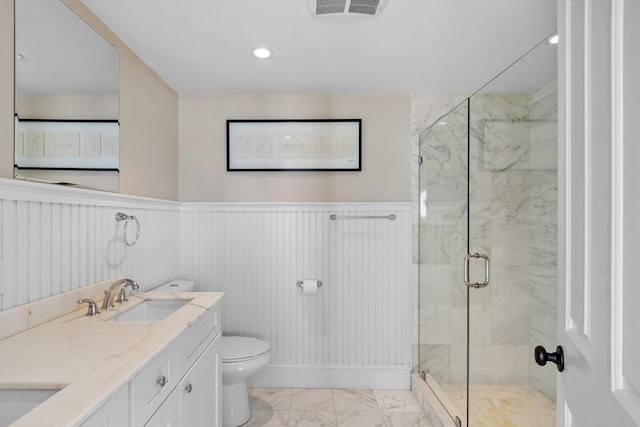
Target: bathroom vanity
{"x":135,"y":365}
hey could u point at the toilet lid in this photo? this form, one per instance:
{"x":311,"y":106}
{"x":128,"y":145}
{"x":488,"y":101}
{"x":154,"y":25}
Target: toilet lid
{"x":238,"y":348}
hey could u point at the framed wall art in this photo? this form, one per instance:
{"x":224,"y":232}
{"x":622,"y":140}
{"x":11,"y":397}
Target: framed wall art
{"x":67,"y":144}
{"x":294,"y":145}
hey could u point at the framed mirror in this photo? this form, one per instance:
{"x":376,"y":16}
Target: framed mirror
{"x":67,"y":99}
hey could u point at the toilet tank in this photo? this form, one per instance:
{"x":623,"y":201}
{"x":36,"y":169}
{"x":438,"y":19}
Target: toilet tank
{"x":176,"y":286}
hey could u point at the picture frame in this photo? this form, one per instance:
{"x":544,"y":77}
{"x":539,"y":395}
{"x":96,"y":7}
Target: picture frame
{"x":294,"y":145}
{"x":67,"y":144}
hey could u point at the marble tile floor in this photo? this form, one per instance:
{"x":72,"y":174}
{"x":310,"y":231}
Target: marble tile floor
{"x":504,"y":405}
{"x":290,"y":407}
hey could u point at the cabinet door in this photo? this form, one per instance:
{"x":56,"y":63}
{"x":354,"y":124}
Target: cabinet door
{"x":168,"y":415}
{"x":114,"y":413}
{"x":153,"y":384}
{"x":200,"y":390}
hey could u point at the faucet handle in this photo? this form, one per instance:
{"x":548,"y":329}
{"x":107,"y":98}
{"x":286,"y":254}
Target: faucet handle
{"x":92,"y":310}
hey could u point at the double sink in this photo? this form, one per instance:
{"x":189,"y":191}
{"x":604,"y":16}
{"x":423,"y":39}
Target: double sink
{"x":14,"y":403}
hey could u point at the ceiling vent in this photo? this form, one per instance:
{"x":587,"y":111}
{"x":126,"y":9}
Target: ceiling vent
{"x":346,"y":7}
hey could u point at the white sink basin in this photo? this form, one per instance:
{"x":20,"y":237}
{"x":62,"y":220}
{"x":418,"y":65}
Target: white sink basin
{"x":14,"y":403}
{"x":150,"y":311}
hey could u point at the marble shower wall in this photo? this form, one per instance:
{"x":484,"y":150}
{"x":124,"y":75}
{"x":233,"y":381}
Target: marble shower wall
{"x":513,"y":220}
{"x":543,"y":245}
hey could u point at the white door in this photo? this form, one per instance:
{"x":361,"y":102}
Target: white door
{"x":599,"y":194}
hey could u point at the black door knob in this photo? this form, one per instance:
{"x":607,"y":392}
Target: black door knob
{"x":542,"y":357}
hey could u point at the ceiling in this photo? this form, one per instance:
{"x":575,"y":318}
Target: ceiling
{"x":59,"y":54}
{"x":413,"y":46}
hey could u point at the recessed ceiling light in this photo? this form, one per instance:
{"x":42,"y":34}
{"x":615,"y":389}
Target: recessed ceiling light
{"x":553,"y":39}
{"x":262,"y":53}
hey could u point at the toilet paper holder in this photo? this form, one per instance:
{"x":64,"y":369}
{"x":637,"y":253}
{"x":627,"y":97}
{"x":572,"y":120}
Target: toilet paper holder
{"x":299,"y":283}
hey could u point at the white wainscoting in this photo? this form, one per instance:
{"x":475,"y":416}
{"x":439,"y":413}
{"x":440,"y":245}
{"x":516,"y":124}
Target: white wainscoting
{"x":355,"y":332}
{"x":54,"y":239}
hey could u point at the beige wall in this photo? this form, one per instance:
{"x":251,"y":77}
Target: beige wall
{"x":6,"y":89}
{"x":80,"y":107}
{"x":148,"y":114}
{"x":386,"y":149}
{"x":153,"y":119}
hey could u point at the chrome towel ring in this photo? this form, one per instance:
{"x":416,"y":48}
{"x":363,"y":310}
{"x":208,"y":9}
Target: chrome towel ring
{"x":126,"y":218}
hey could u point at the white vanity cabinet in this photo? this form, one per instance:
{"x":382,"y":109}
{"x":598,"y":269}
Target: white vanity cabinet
{"x":163,"y":369}
{"x":191,"y":366}
{"x":195,"y":402}
{"x":151,"y":386}
{"x":168,"y":415}
{"x":200,"y":389}
{"x":179,"y":387}
{"x":114,"y":413}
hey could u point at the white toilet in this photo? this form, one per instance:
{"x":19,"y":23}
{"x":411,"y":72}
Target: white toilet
{"x":241,"y":358}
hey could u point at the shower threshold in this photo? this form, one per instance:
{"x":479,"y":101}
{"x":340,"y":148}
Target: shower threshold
{"x":495,"y":405}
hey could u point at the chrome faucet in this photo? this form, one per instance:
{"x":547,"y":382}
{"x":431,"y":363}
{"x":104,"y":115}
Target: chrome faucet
{"x":109,"y":294}
{"x":122,"y":297}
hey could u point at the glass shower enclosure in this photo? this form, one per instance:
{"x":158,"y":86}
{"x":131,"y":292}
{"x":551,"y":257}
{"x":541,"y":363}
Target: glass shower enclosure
{"x":487,"y":248}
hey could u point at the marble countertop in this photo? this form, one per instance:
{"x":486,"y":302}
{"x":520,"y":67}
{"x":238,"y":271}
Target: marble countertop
{"x":90,"y":358}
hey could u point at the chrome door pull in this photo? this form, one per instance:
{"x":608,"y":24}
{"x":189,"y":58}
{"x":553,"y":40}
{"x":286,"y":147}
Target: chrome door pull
{"x":466,"y":270}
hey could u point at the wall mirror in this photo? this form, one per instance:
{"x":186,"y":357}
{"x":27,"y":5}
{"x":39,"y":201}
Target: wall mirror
{"x":67,"y":99}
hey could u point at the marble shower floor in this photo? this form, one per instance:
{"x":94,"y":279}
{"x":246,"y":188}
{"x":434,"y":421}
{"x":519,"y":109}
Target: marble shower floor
{"x":504,"y":405}
{"x":289,"y":407}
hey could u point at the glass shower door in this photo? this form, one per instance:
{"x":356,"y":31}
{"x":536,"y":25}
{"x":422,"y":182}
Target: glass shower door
{"x":488,"y":249}
{"x":498,"y":231}
{"x":443,"y":230}
{"x":512,"y":220}
{"x":487,"y":252}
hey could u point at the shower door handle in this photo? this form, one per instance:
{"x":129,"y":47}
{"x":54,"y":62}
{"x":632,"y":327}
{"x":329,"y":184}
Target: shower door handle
{"x":466,"y":270}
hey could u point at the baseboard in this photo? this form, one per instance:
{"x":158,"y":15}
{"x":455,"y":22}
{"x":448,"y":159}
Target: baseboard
{"x":318,"y":376}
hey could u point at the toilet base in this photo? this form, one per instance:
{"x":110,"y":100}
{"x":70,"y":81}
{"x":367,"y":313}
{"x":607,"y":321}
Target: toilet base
{"x":235,"y":404}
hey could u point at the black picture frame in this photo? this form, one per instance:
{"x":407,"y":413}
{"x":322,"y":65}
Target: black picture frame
{"x":294,"y":145}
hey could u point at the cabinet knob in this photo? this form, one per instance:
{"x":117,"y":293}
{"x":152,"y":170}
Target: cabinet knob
{"x":188,"y":388}
{"x":162,"y":381}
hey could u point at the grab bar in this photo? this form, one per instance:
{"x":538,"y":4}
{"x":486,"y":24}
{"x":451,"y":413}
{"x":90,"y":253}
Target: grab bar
{"x":333,"y":217}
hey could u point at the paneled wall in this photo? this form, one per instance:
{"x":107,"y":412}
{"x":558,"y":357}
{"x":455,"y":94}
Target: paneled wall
{"x":355,"y":331}
{"x":55,"y":239}
{"x":361,"y":315}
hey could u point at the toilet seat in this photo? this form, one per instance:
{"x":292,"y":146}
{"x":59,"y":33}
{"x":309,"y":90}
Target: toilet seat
{"x":238,"y":349}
